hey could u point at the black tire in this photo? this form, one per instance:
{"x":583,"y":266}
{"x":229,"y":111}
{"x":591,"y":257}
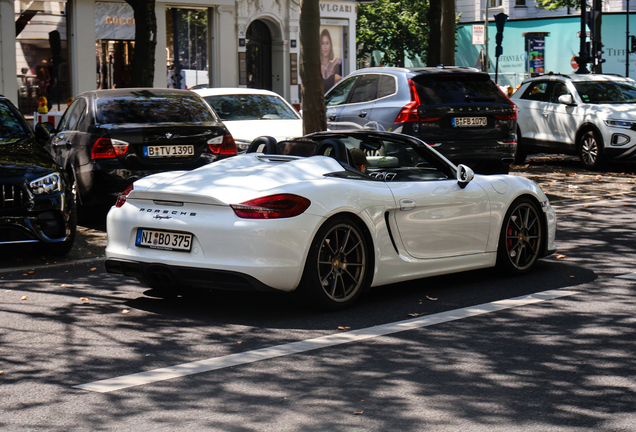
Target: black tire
{"x":338,"y":267}
{"x":62,"y":248}
{"x":591,"y":151}
{"x":521,"y":237}
{"x":520,"y":153}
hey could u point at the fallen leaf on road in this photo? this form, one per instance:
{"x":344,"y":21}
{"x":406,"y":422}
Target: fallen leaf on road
{"x":343,"y":328}
{"x":31,"y":271}
{"x":83,"y":299}
{"x":358,"y":412}
{"x":125,"y":311}
{"x":93,"y":268}
{"x":24,"y":298}
{"x":571,"y":276}
{"x":1,"y":372}
{"x":431,"y":298}
{"x":559,"y":256}
{"x":414,"y":315}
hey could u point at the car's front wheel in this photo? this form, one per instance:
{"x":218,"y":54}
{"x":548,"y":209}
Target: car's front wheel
{"x":337,"y":268}
{"x":591,"y":150}
{"x":521,"y":237}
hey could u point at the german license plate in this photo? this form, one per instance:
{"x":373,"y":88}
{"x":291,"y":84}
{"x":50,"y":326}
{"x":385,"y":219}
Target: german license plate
{"x":469,"y":121}
{"x":164,"y":240}
{"x":162,"y":151}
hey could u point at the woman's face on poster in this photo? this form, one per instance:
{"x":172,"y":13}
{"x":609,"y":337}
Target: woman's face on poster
{"x":326,"y":45}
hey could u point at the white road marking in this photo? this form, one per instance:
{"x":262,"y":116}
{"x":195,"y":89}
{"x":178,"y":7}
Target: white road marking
{"x":141,"y":378}
{"x":628,"y":276}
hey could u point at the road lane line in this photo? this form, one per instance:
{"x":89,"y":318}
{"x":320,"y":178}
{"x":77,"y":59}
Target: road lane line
{"x":215,"y":363}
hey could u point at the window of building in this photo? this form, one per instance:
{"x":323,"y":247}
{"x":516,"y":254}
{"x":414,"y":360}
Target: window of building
{"x":494,"y":3}
{"x":41,"y":55}
{"x":520,"y":2}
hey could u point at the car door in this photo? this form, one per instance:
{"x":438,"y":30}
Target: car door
{"x":386,"y":107}
{"x":561,"y":118}
{"x":63,"y":140}
{"x":335,"y":100}
{"x":532,"y":108}
{"x":358,"y":111}
{"x":437,"y":218}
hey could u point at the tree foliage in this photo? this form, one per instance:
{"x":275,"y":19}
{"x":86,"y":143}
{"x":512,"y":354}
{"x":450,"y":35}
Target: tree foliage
{"x":558,"y":4}
{"x":397,"y":28}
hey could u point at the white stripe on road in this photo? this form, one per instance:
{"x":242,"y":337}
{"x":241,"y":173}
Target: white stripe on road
{"x":141,"y":378}
{"x":628,"y":276}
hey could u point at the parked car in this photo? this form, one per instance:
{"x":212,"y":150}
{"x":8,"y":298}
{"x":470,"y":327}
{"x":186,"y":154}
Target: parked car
{"x":459,"y":111}
{"x":107,"y":139}
{"x":249,"y":113}
{"x":36,"y":200}
{"x":591,"y":116}
{"x":298,"y":217}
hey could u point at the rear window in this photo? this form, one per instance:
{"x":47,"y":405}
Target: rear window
{"x":251,"y":107}
{"x":153,"y":109}
{"x":457,"y":89}
{"x":12,"y":127}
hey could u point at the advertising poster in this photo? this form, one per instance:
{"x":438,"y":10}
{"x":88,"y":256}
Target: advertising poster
{"x":536,"y":54}
{"x":331,"y":54}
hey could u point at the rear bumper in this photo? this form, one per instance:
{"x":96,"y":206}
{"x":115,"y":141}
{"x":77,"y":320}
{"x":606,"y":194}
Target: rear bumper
{"x":477,"y":152}
{"x":174,"y":278}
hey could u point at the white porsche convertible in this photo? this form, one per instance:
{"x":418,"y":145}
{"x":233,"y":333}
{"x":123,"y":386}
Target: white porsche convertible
{"x":296,"y":216}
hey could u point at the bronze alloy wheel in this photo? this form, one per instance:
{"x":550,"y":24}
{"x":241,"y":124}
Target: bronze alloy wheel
{"x":342,"y":262}
{"x":521,"y":236}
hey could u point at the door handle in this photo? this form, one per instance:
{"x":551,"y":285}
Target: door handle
{"x":332,"y":117}
{"x":362,"y":114}
{"x":407,"y":204}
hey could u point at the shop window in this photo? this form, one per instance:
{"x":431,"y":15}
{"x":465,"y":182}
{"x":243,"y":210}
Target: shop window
{"x":188,"y":48}
{"x":42,"y":56}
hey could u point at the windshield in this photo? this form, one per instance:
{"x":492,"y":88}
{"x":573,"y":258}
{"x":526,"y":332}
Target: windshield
{"x":155,"y":109}
{"x":251,"y":107}
{"x":606,"y":92}
{"x":12,"y":126}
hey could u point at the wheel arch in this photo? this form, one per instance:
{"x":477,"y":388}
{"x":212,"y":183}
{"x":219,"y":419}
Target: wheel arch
{"x":583,"y":129}
{"x":366,"y":232}
{"x":543,"y":219}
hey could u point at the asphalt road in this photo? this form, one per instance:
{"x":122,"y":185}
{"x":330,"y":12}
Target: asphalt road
{"x":475,"y":360}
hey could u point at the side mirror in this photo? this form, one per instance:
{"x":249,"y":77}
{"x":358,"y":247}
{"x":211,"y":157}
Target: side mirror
{"x":566,"y":99}
{"x":464,"y":175}
{"x":42,"y":133}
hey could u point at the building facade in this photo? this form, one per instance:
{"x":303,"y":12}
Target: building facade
{"x":537,"y":40}
{"x":56,"y":52}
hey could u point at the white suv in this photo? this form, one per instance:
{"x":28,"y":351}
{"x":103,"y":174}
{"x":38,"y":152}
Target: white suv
{"x":592,"y":116}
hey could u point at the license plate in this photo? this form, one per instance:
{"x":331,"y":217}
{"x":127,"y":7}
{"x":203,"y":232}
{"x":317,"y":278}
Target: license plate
{"x":469,"y":121}
{"x":168,"y":151}
{"x":164,"y":240}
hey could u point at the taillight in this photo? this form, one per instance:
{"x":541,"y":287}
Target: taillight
{"x":121,"y":199}
{"x":272,"y":207}
{"x":511,"y":116}
{"x":222,"y":145}
{"x":409,"y":111}
{"x":108,"y":148}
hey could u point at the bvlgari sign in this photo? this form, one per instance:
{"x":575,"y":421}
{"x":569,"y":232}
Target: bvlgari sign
{"x":114,"y":21}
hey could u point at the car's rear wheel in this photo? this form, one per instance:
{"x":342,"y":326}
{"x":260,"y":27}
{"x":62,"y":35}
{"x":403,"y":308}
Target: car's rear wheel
{"x":521,"y":237}
{"x":591,"y":150}
{"x":337,"y":268}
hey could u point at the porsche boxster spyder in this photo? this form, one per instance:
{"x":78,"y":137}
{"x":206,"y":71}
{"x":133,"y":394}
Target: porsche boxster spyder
{"x":296,"y":216}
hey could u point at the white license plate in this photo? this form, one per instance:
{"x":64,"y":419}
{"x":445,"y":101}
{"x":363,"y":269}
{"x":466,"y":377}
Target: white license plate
{"x":164,"y":240}
{"x":168,"y":151}
{"x":469,"y":121}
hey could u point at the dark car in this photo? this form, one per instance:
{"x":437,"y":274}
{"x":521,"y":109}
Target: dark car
{"x":107,"y":139}
{"x":460,"y":111}
{"x":36,"y":200}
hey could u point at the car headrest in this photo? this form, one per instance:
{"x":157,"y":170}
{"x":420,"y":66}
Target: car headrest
{"x":263,"y":144}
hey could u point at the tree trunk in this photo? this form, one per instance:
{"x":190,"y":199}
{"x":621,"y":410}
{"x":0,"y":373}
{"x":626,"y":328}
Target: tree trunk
{"x":447,"y":25}
{"x":313,"y":98}
{"x":143,"y":63}
{"x":434,"y":16}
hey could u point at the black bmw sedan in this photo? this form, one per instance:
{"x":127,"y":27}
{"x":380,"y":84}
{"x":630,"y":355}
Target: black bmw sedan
{"x":36,"y":201}
{"x":107,"y":139}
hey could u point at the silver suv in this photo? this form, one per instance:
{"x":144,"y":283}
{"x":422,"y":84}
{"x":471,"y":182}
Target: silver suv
{"x":592,"y":116}
{"x":459,"y":111}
